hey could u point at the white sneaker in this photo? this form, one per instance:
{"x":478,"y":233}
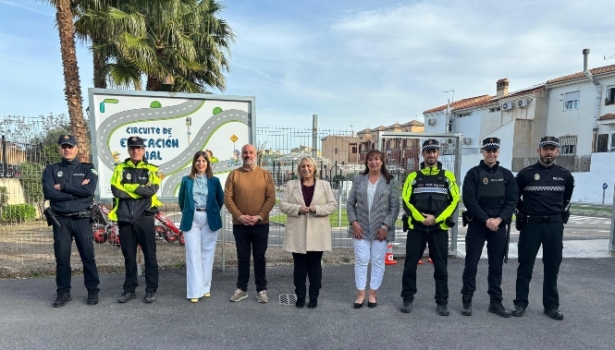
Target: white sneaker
{"x":262,"y":296}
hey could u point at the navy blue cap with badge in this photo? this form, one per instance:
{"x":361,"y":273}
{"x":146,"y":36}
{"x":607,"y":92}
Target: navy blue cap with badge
{"x":549,"y":140}
{"x":431,"y":144}
{"x":67,"y":140}
{"x":491,"y":143}
{"x":135,"y":141}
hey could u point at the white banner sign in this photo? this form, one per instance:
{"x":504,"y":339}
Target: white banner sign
{"x":174,"y":126}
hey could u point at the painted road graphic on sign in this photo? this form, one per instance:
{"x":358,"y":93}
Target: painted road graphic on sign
{"x":174,"y":169}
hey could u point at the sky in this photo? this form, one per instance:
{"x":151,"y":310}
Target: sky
{"x":355,"y":64}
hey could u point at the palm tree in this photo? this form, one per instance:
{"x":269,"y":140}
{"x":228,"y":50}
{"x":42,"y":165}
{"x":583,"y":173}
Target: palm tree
{"x":72,"y":90}
{"x":178,"y":45}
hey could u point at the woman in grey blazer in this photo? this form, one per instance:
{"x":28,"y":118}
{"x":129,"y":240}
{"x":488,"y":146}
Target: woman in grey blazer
{"x":373,"y":206}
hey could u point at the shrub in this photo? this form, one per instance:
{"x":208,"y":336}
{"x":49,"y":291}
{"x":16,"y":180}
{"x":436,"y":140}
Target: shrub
{"x":18,"y":212}
{"x":4,"y":196}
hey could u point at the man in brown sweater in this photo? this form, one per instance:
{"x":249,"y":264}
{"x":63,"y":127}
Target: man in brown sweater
{"x":249,"y":195}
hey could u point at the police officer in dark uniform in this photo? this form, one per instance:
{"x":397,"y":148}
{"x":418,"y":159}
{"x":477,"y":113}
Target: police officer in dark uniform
{"x":69,"y":186}
{"x":430,"y":198}
{"x":134,"y":185}
{"x":546,"y":190}
{"x":490,"y":196}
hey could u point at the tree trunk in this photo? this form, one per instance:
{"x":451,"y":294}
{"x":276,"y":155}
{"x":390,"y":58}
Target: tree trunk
{"x":100,"y":79}
{"x":153,"y":83}
{"x":72,"y":91}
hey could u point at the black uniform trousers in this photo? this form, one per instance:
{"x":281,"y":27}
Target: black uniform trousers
{"x":251,"y":239}
{"x":550,"y":235}
{"x":437,"y":239}
{"x":496,"y":247}
{"x":140,"y":232}
{"x":307,"y":265}
{"x":81,"y":231}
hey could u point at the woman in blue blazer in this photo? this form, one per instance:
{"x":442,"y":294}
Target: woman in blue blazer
{"x":200,"y":200}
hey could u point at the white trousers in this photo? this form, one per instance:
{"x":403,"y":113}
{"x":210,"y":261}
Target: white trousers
{"x":200,"y":250}
{"x":364,"y":252}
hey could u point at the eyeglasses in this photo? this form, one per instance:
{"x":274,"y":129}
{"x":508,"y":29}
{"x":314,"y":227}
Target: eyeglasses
{"x":135,"y":148}
{"x":67,"y":146}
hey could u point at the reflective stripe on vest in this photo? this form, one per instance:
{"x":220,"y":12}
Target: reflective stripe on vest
{"x":430,"y":193}
{"x":544,"y":188}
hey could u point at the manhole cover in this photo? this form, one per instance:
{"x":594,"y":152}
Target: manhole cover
{"x":288,"y":299}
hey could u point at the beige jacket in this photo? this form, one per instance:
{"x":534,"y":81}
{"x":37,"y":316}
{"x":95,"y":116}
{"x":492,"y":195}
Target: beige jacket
{"x":310,"y":232}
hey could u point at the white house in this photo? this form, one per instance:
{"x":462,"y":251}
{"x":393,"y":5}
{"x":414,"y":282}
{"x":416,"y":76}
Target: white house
{"x":579,"y":111}
{"x":515,"y":118}
{"x":578,"y":108}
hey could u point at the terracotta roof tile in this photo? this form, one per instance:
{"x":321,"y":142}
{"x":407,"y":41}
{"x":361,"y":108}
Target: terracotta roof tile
{"x":460,"y":104}
{"x":593,"y":71}
{"x":607,"y":116}
{"x":413,"y":123}
{"x":495,"y":99}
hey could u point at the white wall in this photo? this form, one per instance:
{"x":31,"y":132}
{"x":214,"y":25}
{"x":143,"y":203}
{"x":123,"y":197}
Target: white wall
{"x":578,"y":122}
{"x":588,"y":186}
{"x":14,"y":190}
{"x":467,"y":127}
{"x":440,"y":126}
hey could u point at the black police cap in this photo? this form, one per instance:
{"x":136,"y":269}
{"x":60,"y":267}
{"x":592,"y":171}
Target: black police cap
{"x":491,"y":143}
{"x":431,"y":144}
{"x":549,"y":140}
{"x":67,"y":140}
{"x":135,"y":141}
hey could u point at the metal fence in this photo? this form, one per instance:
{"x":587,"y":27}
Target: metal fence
{"x":26,"y":247}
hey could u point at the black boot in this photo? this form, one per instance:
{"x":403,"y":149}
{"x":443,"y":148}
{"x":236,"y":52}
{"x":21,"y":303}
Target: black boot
{"x":442,"y":310}
{"x":62,"y":299}
{"x":92,"y":297}
{"x":497,"y":308}
{"x":313,"y":303}
{"x":466,"y":301}
{"x":518,"y":311}
{"x":300,"y":303}
{"x":554,"y":314}
{"x":407,"y":308}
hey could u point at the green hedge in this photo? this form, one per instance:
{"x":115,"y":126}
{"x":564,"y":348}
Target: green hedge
{"x":18,"y":212}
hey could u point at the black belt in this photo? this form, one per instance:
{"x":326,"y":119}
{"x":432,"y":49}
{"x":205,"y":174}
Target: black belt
{"x":543,"y":218}
{"x":201,"y":209}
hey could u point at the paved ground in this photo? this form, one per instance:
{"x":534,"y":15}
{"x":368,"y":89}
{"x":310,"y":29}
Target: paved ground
{"x":587,"y":288}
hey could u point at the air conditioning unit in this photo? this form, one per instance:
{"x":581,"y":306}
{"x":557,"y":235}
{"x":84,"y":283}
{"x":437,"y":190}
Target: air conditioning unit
{"x":467,"y":141}
{"x":523,"y":103}
{"x":507,"y":106}
{"x":431,"y":122}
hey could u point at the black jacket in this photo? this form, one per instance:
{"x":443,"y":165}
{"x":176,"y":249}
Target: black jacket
{"x":544,"y":191}
{"x":471,"y":183}
{"x":72,"y":196}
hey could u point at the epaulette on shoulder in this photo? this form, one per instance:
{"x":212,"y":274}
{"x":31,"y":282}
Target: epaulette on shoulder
{"x":152,"y":164}
{"x":562,"y":168}
{"x":87,"y":163}
{"x":527,"y":168}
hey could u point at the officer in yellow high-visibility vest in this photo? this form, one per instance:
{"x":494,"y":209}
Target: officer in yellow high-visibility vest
{"x":430,"y":197}
{"x":134,"y":185}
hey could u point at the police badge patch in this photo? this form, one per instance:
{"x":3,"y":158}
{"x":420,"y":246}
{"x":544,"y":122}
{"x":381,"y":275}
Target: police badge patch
{"x":485,"y":180}
{"x":536,"y":177}
{"x":94,"y":171}
{"x":128,"y":176}
{"x":160,"y":175}
{"x":60,"y":173}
